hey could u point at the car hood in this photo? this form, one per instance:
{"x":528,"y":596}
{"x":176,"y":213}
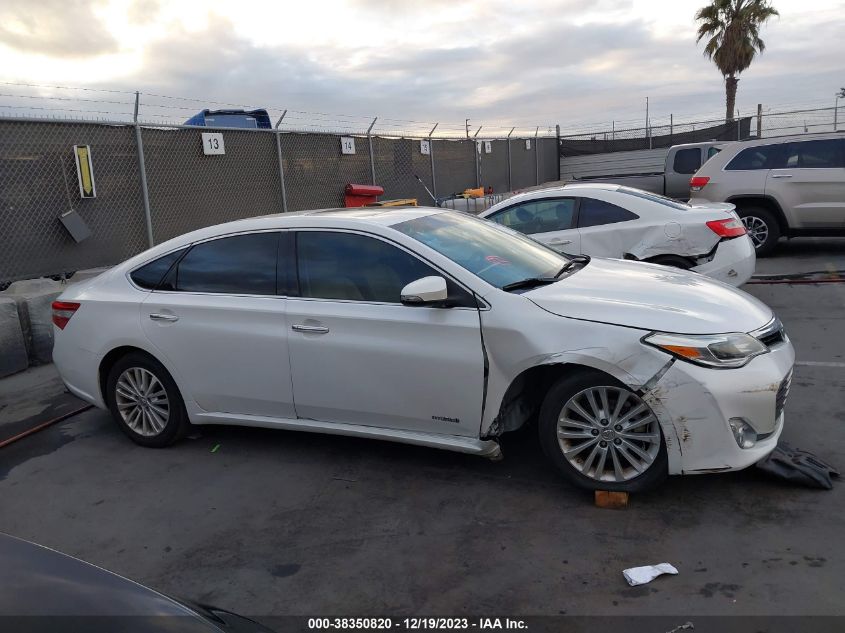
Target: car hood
{"x":651,"y":297}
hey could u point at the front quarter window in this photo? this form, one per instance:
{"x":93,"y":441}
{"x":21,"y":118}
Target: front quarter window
{"x":497,"y":254}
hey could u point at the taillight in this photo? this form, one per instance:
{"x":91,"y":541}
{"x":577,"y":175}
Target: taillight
{"x":62,"y":312}
{"x":696,"y":183}
{"x":727,"y":228}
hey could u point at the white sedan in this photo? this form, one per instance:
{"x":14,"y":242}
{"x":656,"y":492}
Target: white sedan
{"x":606,"y":220}
{"x":434,"y":328}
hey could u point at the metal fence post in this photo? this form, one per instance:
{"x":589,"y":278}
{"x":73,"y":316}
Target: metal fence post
{"x":759,"y":120}
{"x":281,"y":164}
{"x":537,"y":154}
{"x":510,"y":184}
{"x":477,"y":157}
{"x":372,"y":160}
{"x":143,"y":169}
{"x":431,"y":155}
{"x":557,"y":148}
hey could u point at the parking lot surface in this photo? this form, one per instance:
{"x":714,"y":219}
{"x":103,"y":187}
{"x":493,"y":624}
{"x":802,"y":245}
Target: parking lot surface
{"x":275,"y":522}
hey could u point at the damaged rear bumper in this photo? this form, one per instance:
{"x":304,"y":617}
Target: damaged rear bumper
{"x":733,"y":262}
{"x":695,"y":405}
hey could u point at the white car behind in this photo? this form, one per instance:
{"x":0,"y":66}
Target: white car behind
{"x":606,"y":220}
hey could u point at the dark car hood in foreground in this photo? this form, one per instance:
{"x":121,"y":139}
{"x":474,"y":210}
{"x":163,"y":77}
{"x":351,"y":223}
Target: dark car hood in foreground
{"x":37,"y":581}
{"x":651,"y":297}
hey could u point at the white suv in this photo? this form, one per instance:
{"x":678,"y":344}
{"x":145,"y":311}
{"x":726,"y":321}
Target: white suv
{"x":791,"y":186}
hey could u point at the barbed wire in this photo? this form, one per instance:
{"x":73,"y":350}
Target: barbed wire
{"x":175,"y":108}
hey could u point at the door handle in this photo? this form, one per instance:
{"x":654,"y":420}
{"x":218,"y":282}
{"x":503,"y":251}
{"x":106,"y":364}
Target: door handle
{"x":560,"y":242}
{"x":781,"y":175}
{"x":164,"y":317}
{"x":310,"y":329}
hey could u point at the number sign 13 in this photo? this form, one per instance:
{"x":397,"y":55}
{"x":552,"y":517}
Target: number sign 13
{"x":212,"y":143}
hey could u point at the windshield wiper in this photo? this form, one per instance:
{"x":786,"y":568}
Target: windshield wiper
{"x":531,"y":282}
{"x":573,"y":259}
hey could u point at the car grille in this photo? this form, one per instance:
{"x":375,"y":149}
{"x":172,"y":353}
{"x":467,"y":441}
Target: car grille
{"x":771,"y":334}
{"x":783,"y":392}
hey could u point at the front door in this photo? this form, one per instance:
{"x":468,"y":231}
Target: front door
{"x":550,"y":221}
{"x":221,"y":324}
{"x":359,"y":356}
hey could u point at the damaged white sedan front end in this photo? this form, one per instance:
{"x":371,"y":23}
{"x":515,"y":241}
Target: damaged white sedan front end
{"x":712,"y":365}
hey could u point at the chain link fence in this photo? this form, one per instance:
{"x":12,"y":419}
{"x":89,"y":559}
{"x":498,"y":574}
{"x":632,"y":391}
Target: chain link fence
{"x":38,"y":183}
{"x":156,"y":182}
{"x":766,"y":123}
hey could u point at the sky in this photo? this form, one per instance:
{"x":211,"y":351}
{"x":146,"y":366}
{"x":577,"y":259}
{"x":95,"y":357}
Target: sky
{"x":577,"y":63}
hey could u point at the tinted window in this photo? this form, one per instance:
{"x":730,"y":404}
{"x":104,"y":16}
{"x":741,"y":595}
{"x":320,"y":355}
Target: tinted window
{"x":354,"y":267}
{"x":687,"y":161}
{"x":538,"y":216}
{"x":826,"y":154}
{"x":653,"y":197}
{"x":150,"y":275}
{"x":596,"y":212}
{"x":242,"y":264}
{"x":496,"y":254}
{"x":762,"y":157}
{"x":713,"y":151}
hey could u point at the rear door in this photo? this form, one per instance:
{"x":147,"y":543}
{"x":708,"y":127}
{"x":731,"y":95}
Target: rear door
{"x":550,"y":221}
{"x":606,"y":229}
{"x":219,"y":320}
{"x":359,"y":356}
{"x":811,"y":184}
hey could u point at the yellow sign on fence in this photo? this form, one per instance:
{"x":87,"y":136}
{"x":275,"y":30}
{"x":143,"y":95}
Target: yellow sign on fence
{"x":84,"y":171}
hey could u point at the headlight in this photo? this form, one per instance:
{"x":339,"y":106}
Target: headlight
{"x":725,"y":351}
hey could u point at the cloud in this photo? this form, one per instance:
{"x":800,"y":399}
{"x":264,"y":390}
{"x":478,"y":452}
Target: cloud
{"x":54,"y":28}
{"x":551,"y":61}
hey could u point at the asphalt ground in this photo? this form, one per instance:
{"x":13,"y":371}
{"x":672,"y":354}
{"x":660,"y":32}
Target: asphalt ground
{"x":276,"y":523}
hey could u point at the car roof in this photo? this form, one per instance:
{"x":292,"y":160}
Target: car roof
{"x":777,"y":140}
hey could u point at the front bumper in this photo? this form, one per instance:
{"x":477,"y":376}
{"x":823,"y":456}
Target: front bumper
{"x":694,"y":405}
{"x":733,"y":262}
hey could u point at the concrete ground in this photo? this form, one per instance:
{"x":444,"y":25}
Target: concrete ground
{"x":278,"y":522}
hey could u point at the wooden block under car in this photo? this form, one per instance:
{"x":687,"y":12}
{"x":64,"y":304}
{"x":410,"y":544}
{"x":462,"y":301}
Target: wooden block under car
{"x":612,"y":500}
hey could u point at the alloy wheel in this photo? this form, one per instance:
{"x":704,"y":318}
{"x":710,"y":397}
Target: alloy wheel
{"x":142,"y":401}
{"x":757,"y":230}
{"x":608,"y":434}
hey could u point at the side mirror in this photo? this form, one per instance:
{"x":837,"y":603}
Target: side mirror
{"x":425,"y":291}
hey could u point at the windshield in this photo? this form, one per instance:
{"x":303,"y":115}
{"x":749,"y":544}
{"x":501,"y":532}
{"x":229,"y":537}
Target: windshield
{"x":497,"y":254}
{"x":654,"y":197}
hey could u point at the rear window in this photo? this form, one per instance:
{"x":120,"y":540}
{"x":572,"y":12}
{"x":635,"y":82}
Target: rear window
{"x":760,"y":157}
{"x":820,"y":154}
{"x":653,"y":197}
{"x":593,"y":212}
{"x":149,"y":276}
{"x":687,"y":161}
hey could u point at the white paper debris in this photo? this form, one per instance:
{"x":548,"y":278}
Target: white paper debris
{"x":641,"y":575}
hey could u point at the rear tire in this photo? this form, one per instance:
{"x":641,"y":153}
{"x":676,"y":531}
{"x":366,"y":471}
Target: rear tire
{"x":145,"y":401}
{"x":624,"y":463}
{"x":762,"y":227}
{"x":676,"y":261}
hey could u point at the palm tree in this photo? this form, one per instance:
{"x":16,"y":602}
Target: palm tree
{"x":732,"y":29}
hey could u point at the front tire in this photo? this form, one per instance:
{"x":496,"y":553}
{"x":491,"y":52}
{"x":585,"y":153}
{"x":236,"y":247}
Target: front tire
{"x":601,"y":435}
{"x":762,"y":227}
{"x":145,"y":401}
